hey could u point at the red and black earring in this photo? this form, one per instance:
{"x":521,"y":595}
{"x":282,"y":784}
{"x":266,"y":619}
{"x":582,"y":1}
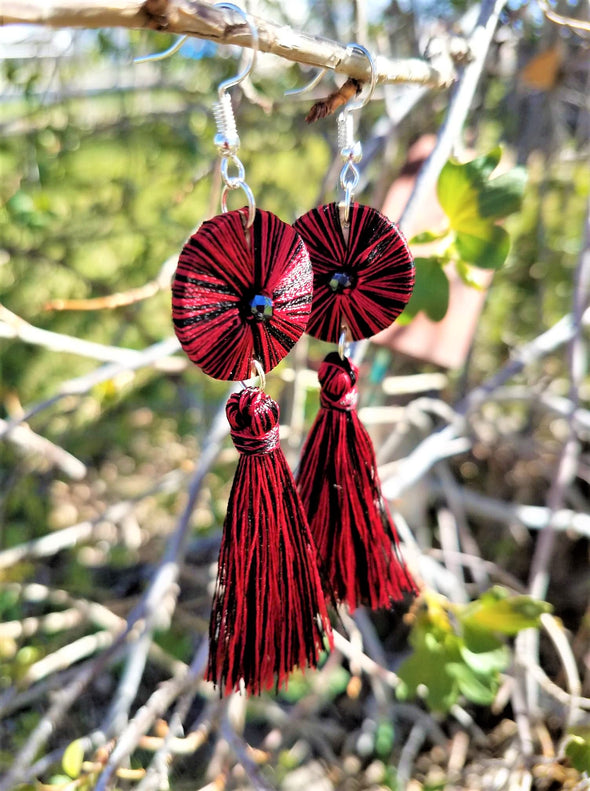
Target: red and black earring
{"x":363,"y":276}
{"x":241,"y":298}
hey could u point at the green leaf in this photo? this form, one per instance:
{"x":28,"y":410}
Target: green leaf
{"x":496,"y":612}
{"x":427,"y":667}
{"x":428,"y":236}
{"x":578,"y":751}
{"x":486,"y":662}
{"x":459,"y":185}
{"x":503,"y":195}
{"x":479,"y":640}
{"x":431,"y":290}
{"x":73,"y":758}
{"x":484,"y":245}
{"x":480,"y":689}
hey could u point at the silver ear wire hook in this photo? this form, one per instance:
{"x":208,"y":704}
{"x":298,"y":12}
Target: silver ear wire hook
{"x":227,"y":140}
{"x":310,"y":85}
{"x":351,"y":151}
{"x":162,"y":55}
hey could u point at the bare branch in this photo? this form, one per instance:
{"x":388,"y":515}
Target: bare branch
{"x":26,"y":439}
{"x":202,"y":20}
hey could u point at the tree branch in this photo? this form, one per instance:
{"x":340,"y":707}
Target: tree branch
{"x":202,"y":20}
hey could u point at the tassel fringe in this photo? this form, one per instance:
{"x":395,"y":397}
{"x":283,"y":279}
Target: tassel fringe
{"x":357,"y":543}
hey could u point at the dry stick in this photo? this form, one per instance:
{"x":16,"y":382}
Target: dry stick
{"x":89,"y":530}
{"x":26,"y":439}
{"x":533,"y":517}
{"x":479,"y":44}
{"x":528,"y":641}
{"x":173,"y":744}
{"x":157,"y":703}
{"x":13,"y":326}
{"x":82,"y":384}
{"x":147,"y":607}
{"x":439,"y":445}
{"x":120,"y":298}
{"x":202,"y":20}
{"x":161,"y":584}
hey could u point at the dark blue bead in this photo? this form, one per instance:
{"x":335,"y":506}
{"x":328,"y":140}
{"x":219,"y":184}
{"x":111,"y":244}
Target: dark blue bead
{"x":339,"y":281}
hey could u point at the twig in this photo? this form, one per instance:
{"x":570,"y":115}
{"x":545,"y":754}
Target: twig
{"x":89,"y":530}
{"x":26,"y":439}
{"x":439,"y":445}
{"x":568,"y":662}
{"x":566,"y":21}
{"x":202,"y":20}
{"x":157,"y":703}
{"x":409,"y":753}
{"x":121,"y":298}
{"x":460,"y":103}
{"x":533,"y":517}
{"x":82,"y":384}
{"x":528,"y":641}
{"x":151,"y":603}
{"x":240,"y":749}
{"x":13,"y":326}
{"x":567,"y":465}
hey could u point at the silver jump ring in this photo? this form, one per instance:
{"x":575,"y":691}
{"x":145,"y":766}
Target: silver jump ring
{"x":232,"y":182}
{"x":249,"y":195}
{"x":342,"y":344}
{"x":259,"y":372}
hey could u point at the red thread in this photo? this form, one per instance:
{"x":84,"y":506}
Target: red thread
{"x":235,"y":299}
{"x":269,"y":613}
{"x":358,"y":547}
{"x":363,"y":284}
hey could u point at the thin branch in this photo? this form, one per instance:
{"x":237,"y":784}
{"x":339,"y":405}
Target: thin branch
{"x":82,"y":384}
{"x":579,"y":25}
{"x":464,"y":92}
{"x":202,"y":20}
{"x":439,"y":445}
{"x":26,"y":439}
{"x":13,"y":326}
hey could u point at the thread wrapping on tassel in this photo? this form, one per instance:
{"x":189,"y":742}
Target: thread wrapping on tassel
{"x":269,"y":613}
{"x":362,"y":281}
{"x":357,"y":543}
{"x":239,"y":296}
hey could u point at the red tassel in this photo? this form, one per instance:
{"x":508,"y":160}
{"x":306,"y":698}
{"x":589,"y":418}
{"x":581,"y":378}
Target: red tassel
{"x":269,"y":613}
{"x":356,"y":540}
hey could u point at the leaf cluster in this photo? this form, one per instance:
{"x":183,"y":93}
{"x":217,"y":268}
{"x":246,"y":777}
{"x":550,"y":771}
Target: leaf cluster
{"x":473,"y":203}
{"x":461,"y":649}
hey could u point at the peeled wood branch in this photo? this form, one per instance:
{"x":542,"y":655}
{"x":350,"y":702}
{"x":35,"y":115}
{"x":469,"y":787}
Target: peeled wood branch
{"x":202,"y":20}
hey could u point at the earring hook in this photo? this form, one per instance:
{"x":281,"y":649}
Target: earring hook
{"x":357,"y":104}
{"x":241,"y":76}
{"x":162,"y":55}
{"x":310,"y":85}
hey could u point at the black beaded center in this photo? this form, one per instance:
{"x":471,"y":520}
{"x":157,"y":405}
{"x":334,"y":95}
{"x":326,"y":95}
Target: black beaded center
{"x":261,"y":307}
{"x":339,"y":282}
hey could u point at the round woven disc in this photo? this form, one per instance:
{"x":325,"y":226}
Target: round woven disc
{"x":363,"y":284}
{"x":235,"y":300}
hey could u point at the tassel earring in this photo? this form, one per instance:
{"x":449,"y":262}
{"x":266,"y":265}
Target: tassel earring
{"x":363,"y":277}
{"x":241,"y":297}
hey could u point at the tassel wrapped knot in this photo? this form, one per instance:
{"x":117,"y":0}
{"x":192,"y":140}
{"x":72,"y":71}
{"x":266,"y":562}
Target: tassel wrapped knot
{"x":340,"y":490}
{"x":269,"y":614}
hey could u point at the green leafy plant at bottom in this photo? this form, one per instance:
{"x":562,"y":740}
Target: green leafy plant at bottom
{"x":460,"y":649}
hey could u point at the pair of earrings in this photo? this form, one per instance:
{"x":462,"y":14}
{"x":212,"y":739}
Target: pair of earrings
{"x":246,"y":287}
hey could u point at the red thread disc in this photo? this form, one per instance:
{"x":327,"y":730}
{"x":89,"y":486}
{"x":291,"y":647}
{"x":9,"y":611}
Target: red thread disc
{"x":234,"y":300}
{"x":363,"y":283}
